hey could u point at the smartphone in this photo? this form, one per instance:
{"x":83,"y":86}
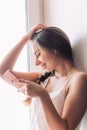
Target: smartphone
{"x":11,"y":78}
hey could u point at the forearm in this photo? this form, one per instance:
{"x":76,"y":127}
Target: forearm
{"x":10,"y":59}
{"x":54,"y":120}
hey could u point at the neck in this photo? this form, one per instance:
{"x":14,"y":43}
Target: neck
{"x":63,"y":69}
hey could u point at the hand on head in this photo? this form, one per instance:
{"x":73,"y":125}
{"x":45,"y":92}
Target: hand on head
{"x":34,"y":29}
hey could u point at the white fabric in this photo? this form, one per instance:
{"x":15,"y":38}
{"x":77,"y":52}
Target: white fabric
{"x":37,"y":118}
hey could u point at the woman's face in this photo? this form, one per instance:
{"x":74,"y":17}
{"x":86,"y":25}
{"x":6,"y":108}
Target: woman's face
{"x":43,"y":58}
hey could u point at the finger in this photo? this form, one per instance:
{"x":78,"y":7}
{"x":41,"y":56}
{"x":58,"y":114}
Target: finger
{"x":22,"y":89}
{"x":39,"y":27}
{"x":21,"y":81}
{"x":27,"y":82}
{"x":18,"y":81}
{"x":42,"y":25}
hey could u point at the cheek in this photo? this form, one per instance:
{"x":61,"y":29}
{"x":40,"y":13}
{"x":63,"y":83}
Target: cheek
{"x":46,"y":57}
{"x":47,"y":60}
{"x":43,"y":59}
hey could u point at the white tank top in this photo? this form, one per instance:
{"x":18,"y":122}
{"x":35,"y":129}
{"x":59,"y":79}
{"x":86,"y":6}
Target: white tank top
{"x":37,"y":117}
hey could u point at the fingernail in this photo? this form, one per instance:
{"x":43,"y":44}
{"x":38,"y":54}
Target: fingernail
{"x":14,"y":80}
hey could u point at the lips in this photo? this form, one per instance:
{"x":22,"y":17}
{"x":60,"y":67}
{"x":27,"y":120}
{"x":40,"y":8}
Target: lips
{"x":43,"y":66}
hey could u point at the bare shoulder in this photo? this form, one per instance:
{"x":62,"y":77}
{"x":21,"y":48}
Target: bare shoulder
{"x":75,"y":104}
{"x":78,"y":88}
{"x":78,"y":84}
{"x":81,"y":74}
{"x":79,"y":79}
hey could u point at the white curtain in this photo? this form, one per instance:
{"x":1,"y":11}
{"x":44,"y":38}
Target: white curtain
{"x":13,"y":114}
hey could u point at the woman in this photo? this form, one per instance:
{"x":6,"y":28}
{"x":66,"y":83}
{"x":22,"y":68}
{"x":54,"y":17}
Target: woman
{"x":58,"y":96}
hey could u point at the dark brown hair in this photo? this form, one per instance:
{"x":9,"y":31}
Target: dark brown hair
{"x":53,"y":38}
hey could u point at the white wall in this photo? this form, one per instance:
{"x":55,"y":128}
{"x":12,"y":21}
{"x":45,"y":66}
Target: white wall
{"x":70,"y":15}
{"x":35,"y":11}
{"x":35,"y":16}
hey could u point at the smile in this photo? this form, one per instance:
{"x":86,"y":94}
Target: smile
{"x":43,"y":66}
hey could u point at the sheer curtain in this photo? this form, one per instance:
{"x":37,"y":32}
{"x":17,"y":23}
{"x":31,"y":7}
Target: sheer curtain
{"x":13,"y":114}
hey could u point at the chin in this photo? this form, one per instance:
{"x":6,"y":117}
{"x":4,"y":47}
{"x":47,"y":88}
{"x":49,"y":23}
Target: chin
{"x":49,"y":70}
{"x":45,"y":68}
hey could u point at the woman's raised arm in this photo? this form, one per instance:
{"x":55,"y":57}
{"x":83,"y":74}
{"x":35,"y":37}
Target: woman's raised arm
{"x":10,"y":59}
{"x":7,"y":65}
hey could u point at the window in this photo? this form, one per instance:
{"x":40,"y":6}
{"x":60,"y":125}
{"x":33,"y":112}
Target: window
{"x":13,"y":114}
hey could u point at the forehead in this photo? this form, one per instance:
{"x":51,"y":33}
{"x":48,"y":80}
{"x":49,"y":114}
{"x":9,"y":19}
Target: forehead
{"x":35,"y":46}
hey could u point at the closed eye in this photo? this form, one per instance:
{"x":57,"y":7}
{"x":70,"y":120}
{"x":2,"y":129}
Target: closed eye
{"x":37,"y":53}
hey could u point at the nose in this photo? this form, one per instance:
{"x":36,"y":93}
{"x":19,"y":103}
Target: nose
{"x":37,"y":62}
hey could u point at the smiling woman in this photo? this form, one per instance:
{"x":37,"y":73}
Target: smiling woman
{"x":13,"y":114}
{"x":55,"y":100}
